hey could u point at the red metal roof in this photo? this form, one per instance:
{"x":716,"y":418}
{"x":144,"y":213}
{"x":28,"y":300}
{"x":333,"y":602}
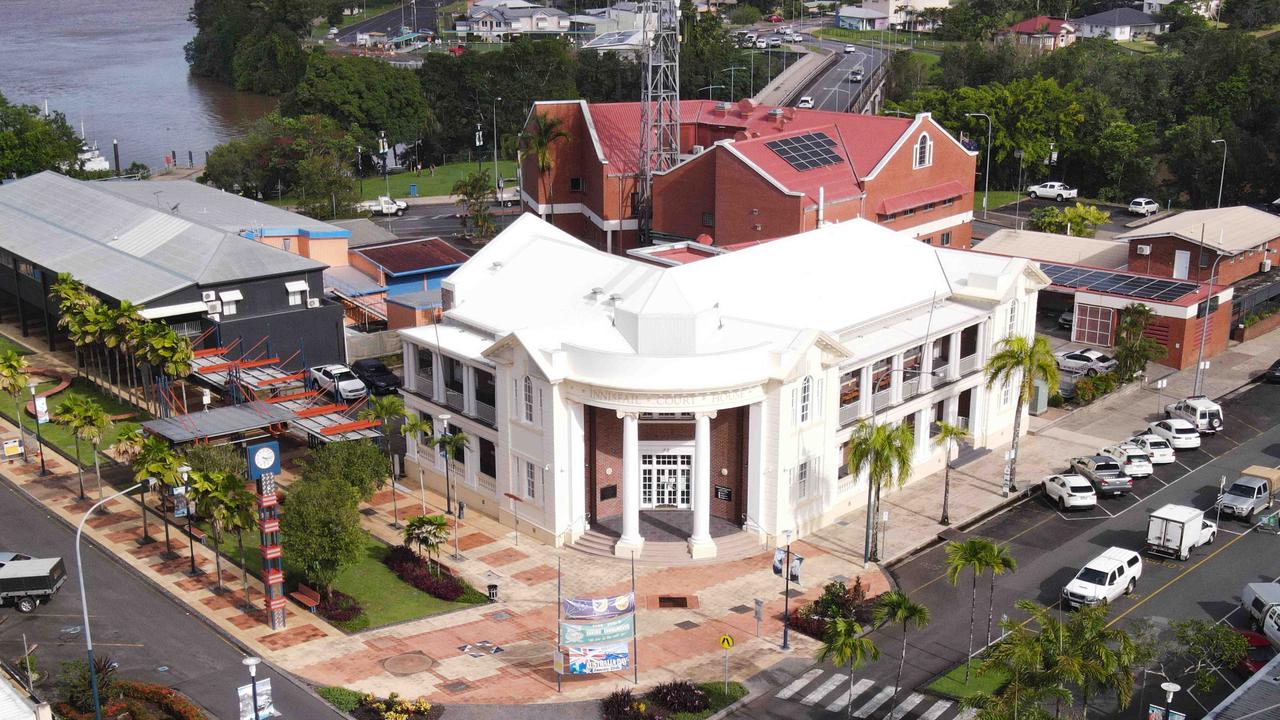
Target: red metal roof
{"x":684,"y":254}
{"x":917,"y":198}
{"x":1038,"y":25}
{"x":415,"y":255}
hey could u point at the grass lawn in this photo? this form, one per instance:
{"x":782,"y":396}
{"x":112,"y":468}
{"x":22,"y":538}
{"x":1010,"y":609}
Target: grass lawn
{"x":930,"y":60}
{"x":384,"y":597}
{"x":59,"y":435}
{"x":1139,"y":46}
{"x":439,"y":184}
{"x":719,"y":699}
{"x":952,"y":684}
{"x":997,"y":198}
{"x":6,"y":343}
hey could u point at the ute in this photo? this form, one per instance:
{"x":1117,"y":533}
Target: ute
{"x":384,"y":206}
{"x":27,"y":583}
{"x":1052,"y":191}
{"x":1254,"y":491}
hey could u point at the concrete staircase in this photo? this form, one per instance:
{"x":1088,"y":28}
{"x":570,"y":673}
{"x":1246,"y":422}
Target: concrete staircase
{"x":728,"y":547}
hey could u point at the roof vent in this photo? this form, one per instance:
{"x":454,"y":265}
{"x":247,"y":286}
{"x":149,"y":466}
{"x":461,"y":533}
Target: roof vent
{"x":495,"y":265}
{"x":614,"y":298}
{"x":775,"y":113}
{"x":597,"y":291}
{"x":723,"y":106}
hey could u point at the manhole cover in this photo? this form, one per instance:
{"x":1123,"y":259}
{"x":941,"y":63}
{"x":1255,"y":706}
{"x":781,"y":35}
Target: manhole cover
{"x":499,"y":616}
{"x":407,"y":664}
{"x":370,"y":512}
{"x":163,"y":668}
{"x":673,"y":601}
{"x":740,"y":609}
{"x":687,"y":625}
{"x":456,"y":686}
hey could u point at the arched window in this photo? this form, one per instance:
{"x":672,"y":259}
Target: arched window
{"x":924,"y":151}
{"x":1013,"y":317}
{"x":528,"y":399}
{"x":806,"y":399}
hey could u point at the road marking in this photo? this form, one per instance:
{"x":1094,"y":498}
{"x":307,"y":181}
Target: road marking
{"x":847,"y":697}
{"x":905,"y":706}
{"x":874,"y":703}
{"x":798,"y":683}
{"x":822,"y":691}
{"x":936,"y":711}
{"x":1175,"y":579}
{"x":1015,"y":537}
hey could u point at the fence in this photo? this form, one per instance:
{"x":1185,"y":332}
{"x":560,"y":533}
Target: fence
{"x":370,"y":345}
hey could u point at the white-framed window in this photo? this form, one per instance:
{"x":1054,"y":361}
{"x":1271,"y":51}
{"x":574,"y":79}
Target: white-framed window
{"x":802,"y":480}
{"x":924,"y":152}
{"x":1013,"y":317}
{"x":228,"y":307}
{"x":295,"y":297}
{"x":530,"y":481}
{"x":806,"y":399}
{"x":527,"y":398}
{"x":1006,"y":393}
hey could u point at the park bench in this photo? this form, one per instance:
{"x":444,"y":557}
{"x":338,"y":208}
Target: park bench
{"x":306,"y":597}
{"x":198,"y":534}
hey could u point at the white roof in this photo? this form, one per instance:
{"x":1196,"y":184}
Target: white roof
{"x":858,"y":12}
{"x":1229,"y":230}
{"x":1054,"y":248}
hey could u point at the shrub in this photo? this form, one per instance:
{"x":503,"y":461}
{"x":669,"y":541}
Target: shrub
{"x":407,"y":566}
{"x":679,"y":696}
{"x":338,"y":607}
{"x":76,"y":686}
{"x":1086,"y":389}
{"x":341,"y":698}
{"x":1055,"y":400}
{"x":172,"y":702}
{"x":622,"y":705}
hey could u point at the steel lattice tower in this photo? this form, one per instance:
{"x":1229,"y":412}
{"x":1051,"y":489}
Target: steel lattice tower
{"x":659,"y":105}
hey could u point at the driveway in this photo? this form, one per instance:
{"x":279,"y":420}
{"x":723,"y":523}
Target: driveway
{"x":1021,"y":211}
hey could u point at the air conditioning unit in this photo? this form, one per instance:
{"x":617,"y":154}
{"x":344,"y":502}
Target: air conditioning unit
{"x":1266,"y":265}
{"x":1144,"y":249}
{"x":213,"y":306}
{"x":697,"y":149}
{"x":208,"y":295}
{"x":215,"y":317}
{"x":313,"y":302}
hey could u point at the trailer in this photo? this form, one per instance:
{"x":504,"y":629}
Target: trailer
{"x":27,"y":583}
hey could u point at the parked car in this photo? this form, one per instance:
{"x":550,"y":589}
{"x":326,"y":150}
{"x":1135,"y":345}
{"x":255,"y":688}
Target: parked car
{"x":762,"y":43}
{"x":774,"y":18}
{"x":1067,"y":319}
{"x":1175,"y":530}
{"x":1104,"y":472}
{"x":1179,"y":433}
{"x":1255,"y":490}
{"x":1257,"y":599}
{"x":1089,"y":362}
{"x":1156,"y":448}
{"x":1104,"y":579}
{"x":850,"y":49}
{"x":1271,"y":374}
{"x":375,"y":375}
{"x":1143,"y":206}
{"x":383,"y":206}
{"x":1200,"y":411}
{"x":805,"y":102}
{"x":1069,"y":491}
{"x":1052,"y":191}
{"x":775,"y":42}
{"x":1259,"y":653}
{"x":794,"y":38}
{"x":855,"y":75}
{"x":339,"y":381}
{"x":1133,"y":461}
{"x":27,"y":583}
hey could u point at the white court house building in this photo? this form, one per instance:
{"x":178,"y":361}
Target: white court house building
{"x":621,"y":399}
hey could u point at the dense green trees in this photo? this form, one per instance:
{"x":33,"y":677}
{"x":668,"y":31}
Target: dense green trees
{"x":321,"y":528}
{"x":252,"y":44}
{"x":31,"y":142}
{"x":363,"y":92}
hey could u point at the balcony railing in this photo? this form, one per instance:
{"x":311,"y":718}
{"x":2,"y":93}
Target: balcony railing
{"x":850,"y":413}
{"x":910,"y":388}
{"x":882,"y":399}
{"x":487,"y":483}
{"x":941,"y":373}
{"x":425,"y":384}
{"x":486,"y":413}
{"x":968,"y":364}
{"x":453,"y":398}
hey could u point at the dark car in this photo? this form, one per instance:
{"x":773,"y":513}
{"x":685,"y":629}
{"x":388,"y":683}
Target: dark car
{"x":375,"y":374}
{"x":1272,"y":374}
{"x":1260,"y":653}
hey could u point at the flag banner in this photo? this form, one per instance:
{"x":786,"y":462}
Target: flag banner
{"x":619,"y":628}
{"x":594,"y":659}
{"x":599,"y":608}
{"x":779,"y":557}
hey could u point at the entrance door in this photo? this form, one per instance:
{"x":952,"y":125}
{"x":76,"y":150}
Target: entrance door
{"x":664,"y":479}
{"x":1181,"y":264}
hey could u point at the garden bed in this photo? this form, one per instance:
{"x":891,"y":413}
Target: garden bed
{"x":364,"y":706}
{"x":952,"y":685}
{"x":837,"y":601}
{"x":62,"y":437}
{"x":677,"y":700}
{"x":141,"y":701}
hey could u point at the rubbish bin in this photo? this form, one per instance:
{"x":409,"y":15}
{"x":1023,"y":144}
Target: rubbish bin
{"x":462,"y":509}
{"x":413,"y":190}
{"x":493,"y":593}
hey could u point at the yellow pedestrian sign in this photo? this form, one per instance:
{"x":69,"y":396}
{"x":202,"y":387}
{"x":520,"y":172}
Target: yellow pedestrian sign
{"x":726,"y":642}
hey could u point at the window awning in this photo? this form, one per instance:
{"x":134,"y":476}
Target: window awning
{"x":231,"y":296}
{"x":296,"y":286}
{"x":155,"y":313}
{"x":916,"y":198}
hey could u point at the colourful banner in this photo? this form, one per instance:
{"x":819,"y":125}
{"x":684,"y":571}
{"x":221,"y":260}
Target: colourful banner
{"x":598,"y":659}
{"x":599,"y":608}
{"x":620,"y":628}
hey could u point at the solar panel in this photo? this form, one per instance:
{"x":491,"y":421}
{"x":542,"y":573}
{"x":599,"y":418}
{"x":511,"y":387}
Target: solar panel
{"x":1118,"y":283}
{"x":806,"y":152}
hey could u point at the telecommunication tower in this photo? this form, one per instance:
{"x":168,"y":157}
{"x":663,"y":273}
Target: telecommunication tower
{"x":659,"y":104}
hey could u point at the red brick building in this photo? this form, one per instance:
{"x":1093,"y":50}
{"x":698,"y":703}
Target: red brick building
{"x":749,"y":173}
{"x":1226,"y":244}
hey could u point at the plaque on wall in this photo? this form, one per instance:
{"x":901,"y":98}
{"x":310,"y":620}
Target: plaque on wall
{"x":724,"y":493}
{"x":609,"y":493}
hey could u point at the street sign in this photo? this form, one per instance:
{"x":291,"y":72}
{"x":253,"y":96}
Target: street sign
{"x":759,"y":614}
{"x":12,"y":448}
{"x":726,"y":642}
{"x":479,"y":136}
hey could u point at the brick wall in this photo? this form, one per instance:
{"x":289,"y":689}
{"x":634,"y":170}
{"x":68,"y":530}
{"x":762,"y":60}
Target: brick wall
{"x":729,"y":452}
{"x":604,"y":453}
{"x":1164,"y":250}
{"x":1182,"y":337}
{"x":898,"y":176}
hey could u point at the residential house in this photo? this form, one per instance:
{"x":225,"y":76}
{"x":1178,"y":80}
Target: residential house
{"x":852,"y":17}
{"x":499,"y":20}
{"x":1224,"y":244}
{"x":1122,"y":23}
{"x":1042,"y":33}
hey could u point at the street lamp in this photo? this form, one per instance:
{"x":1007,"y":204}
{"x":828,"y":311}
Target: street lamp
{"x":497,"y":180}
{"x":84,"y":603}
{"x":786,"y":595}
{"x":1222,"y":178}
{"x":146,"y":538}
{"x":1169,"y":689}
{"x":251,"y":662}
{"x":732,"y":85}
{"x":384,"y":149}
{"x":31,"y":385}
{"x":185,"y":470}
{"x":709,"y":88}
{"x":986,"y":175}
{"x":448,"y":483}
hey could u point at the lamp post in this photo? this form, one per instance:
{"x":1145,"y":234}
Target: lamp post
{"x":31,"y":385}
{"x":84,"y":604}
{"x":448,"y":482}
{"x":384,"y":149}
{"x":709,"y":88}
{"x":1169,"y":689}
{"x":1204,"y":324}
{"x":360,"y":169}
{"x":146,"y":538}
{"x":251,"y":662}
{"x":184,"y":471}
{"x":733,"y":87}
{"x":1222,"y":178}
{"x":986,"y":174}
{"x":497,"y":180}
{"x":786,"y":595}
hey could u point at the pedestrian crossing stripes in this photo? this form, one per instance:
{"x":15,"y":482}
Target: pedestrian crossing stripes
{"x":866,"y":699}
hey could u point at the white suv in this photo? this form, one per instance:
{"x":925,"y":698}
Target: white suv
{"x":339,"y":381}
{"x":1069,"y":491}
{"x":1113,"y":573}
{"x":1177,"y":432}
{"x":1156,"y":448}
{"x":1200,"y":411}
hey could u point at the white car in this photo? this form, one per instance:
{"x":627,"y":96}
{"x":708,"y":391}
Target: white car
{"x":1089,"y":362}
{"x":1181,"y":434}
{"x":850,"y":49}
{"x":775,"y":41}
{"x":1052,"y":191}
{"x":1198,"y":410}
{"x":1069,"y":491}
{"x":795,"y":38}
{"x":339,"y":381}
{"x":1104,"y":579}
{"x":1143,"y":206}
{"x":855,"y":75}
{"x":1132,"y":460}
{"x":805,"y":102}
{"x":1156,"y":448}
{"x":762,"y":43}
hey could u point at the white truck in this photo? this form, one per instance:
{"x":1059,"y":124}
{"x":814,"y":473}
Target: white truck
{"x":1052,"y":191}
{"x":1257,"y":599}
{"x":1254,"y":491}
{"x":1175,"y":529}
{"x":384,"y":206}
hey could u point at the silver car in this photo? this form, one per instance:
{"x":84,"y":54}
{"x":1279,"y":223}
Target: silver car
{"x":1089,"y":362}
{"x":1104,"y":472}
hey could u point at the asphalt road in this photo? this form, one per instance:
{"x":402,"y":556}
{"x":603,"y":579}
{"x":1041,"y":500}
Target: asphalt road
{"x":1049,"y":548}
{"x":832,"y":90}
{"x":391,"y":21}
{"x":150,"y":636}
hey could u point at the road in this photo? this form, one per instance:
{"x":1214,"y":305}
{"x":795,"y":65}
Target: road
{"x":1049,"y":548}
{"x":151,"y":637}
{"x":391,"y":21}
{"x":832,"y":89}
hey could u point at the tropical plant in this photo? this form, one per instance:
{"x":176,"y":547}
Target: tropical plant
{"x":358,"y":463}
{"x":413,"y":427}
{"x":884,"y":452}
{"x":895,"y":607}
{"x":240,"y":514}
{"x":1106,"y":655}
{"x":386,"y":409}
{"x":77,"y":683}
{"x":428,"y":532}
{"x":1021,"y":361}
{"x":1134,"y":349}
{"x":321,"y":530}
{"x":155,"y":459}
{"x":1206,"y":650}
{"x":999,"y":561}
{"x":450,"y":444}
{"x":949,"y":436}
{"x":221,"y":495}
{"x":1020,"y":656}
{"x":846,"y":644}
{"x":971,"y":554}
{"x":13,"y":380}
{"x":476,"y":192}
{"x":73,"y":413}
{"x":546,"y":131}
{"x":96,"y":422}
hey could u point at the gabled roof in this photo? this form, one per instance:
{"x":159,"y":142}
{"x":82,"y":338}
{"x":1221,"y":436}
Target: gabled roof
{"x":1050,"y":247}
{"x":414,"y":256}
{"x":223,"y":210}
{"x":1229,"y":230}
{"x":1118,"y":17}
{"x":1041,"y":24}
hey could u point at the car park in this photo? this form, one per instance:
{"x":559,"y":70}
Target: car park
{"x":1180,"y":434}
{"x":1103,"y":472}
{"x":339,"y":381}
{"x":1133,"y":461}
{"x":376,"y":376}
{"x":1052,"y":191}
{"x":1104,"y":579}
{"x":1084,"y":360}
{"x":1258,"y":652}
{"x":805,"y":102}
{"x":1271,"y":374}
{"x":1143,"y":206}
{"x":1069,"y":491}
{"x":1200,"y":411}
{"x":1157,"y":448}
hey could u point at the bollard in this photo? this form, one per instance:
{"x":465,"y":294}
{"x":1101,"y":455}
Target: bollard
{"x":493,"y":593}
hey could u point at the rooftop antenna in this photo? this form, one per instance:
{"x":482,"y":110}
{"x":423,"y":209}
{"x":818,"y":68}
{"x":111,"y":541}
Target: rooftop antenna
{"x":659,"y":104}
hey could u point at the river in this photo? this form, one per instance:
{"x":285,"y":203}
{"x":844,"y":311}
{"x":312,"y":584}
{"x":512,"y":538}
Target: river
{"x":118,"y":68}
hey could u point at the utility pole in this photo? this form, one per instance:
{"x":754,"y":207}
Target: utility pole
{"x":497,"y":178}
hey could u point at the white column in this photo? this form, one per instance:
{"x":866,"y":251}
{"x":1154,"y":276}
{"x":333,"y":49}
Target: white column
{"x":437,"y":378}
{"x":953,"y":357}
{"x":469,"y":390}
{"x":922,"y":432}
{"x":631,"y":539}
{"x":926,"y":367}
{"x":578,"y":501}
{"x":895,"y":380}
{"x":700,"y":543}
{"x":755,"y":466}
{"x":866,"y":394}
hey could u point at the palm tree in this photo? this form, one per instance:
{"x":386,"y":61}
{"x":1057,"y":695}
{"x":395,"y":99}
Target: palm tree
{"x":385,"y":409}
{"x":884,"y":451}
{"x":999,"y":562}
{"x":1106,"y":655}
{"x":428,"y":532}
{"x":413,"y":427}
{"x":240,"y":513}
{"x":128,"y":322}
{"x":897,"y":608}
{"x":1023,"y":657}
{"x":950,"y":436}
{"x":546,"y":131}
{"x":13,"y":380}
{"x":72,"y":298}
{"x":969,"y":554}
{"x":845,"y":644}
{"x":157,"y":460}
{"x":1022,"y":361}
{"x":451,"y":444}
{"x":72,"y":414}
{"x":126,"y":449}
{"x":223,"y":496}
{"x":96,"y":421}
